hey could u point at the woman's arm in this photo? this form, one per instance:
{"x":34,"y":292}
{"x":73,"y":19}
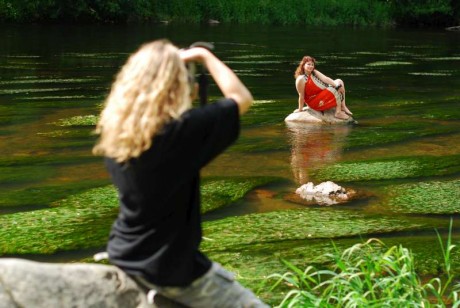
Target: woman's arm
{"x":325,"y":79}
{"x":300,"y":86}
{"x":225,"y":78}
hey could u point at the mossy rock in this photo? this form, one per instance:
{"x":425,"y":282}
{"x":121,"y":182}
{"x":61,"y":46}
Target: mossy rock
{"x":388,"y":169}
{"x":434,"y":197}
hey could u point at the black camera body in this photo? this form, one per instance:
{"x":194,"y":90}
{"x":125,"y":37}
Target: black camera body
{"x":202,"y":78}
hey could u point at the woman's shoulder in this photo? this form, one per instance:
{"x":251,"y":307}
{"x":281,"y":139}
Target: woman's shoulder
{"x":300,"y":78}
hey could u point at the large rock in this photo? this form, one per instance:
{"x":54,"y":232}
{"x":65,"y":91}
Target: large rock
{"x":309,"y":115}
{"x":35,"y":284}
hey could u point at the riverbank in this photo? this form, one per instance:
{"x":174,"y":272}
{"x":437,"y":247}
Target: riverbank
{"x":431,"y":13}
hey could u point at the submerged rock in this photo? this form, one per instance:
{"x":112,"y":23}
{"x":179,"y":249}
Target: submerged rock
{"x":455,"y":28}
{"x":326,"y":193}
{"x":309,"y":115}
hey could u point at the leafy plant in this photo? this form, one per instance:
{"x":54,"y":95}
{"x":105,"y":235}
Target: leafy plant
{"x":369,"y":275}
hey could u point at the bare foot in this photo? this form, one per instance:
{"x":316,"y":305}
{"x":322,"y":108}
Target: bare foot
{"x":342,"y":116}
{"x":347,"y":111}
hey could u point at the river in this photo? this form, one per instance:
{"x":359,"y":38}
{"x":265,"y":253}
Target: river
{"x":403,"y":86}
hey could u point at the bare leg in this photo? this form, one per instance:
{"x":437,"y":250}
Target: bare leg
{"x":339,"y":114}
{"x":344,"y":106}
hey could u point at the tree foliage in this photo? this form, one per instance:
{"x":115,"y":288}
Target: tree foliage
{"x":318,"y":12}
{"x":425,"y":12}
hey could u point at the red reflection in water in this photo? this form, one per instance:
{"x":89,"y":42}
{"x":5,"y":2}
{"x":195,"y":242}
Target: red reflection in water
{"x":314,"y":146}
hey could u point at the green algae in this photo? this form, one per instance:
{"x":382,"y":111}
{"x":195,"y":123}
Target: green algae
{"x":259,"y":144}
{"x":55,"y":80}
{"x":388,"y":63}
{"x":32,"y":90}
{"x":253,"y":245}
{"x":434,"y":197}
{"x":253,"y":266}
{"x":42,"y":194}
{"x":86,"y":120}
{"x":83,"y":220}
{"x":268,"y":112}
{"x":378,"y":135}
{"x":28,"y":160}
{"x":217,"y":192}
{"x":24,"y":174}
{"x":237,"y":233}
{"x":434,"y":74}
{"x":56,"y":133}
{"x":33,"y":174}
{"x":389,"y":169}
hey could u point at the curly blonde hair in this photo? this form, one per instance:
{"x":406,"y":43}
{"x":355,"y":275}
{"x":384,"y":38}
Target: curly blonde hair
{"x":150,"y":90}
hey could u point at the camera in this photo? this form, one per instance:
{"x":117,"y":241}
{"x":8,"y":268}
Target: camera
{"x":202,"y":78}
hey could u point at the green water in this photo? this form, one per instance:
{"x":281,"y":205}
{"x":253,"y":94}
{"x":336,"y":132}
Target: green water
{"x":403,"y":156}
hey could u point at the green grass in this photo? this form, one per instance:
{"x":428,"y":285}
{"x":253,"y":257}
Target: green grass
{"x":369,"y":275}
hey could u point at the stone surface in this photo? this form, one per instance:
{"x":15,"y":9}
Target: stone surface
{"x":326,"y":193}
{"x":456,"y":28}
{"x":26,"y":283}
{"x":312,"y":116}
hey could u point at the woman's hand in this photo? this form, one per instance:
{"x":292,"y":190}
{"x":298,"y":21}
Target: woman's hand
{"x":226,"y":80}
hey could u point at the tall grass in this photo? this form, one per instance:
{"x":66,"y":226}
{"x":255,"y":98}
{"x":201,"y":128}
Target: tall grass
{"x":369,"y":275}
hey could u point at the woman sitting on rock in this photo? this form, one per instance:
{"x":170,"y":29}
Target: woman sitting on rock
{"x":318,"y":91}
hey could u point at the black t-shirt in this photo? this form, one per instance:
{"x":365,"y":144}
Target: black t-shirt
{"x":158,"y":230}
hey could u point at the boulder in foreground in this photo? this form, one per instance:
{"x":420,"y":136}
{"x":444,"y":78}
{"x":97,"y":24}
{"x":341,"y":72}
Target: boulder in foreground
{"x":26,"y":283}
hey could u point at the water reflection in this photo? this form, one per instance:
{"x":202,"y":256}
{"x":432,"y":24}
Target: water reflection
{"x":313,"y":146}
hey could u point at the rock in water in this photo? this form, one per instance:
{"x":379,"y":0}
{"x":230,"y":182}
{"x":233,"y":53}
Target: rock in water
{"x":309,"y":115}
{"x":326,"y":193}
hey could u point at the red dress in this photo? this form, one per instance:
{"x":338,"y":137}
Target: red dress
{"x":319,"y":96}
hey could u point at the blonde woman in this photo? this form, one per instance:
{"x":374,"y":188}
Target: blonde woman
{"x":154,"y":146}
